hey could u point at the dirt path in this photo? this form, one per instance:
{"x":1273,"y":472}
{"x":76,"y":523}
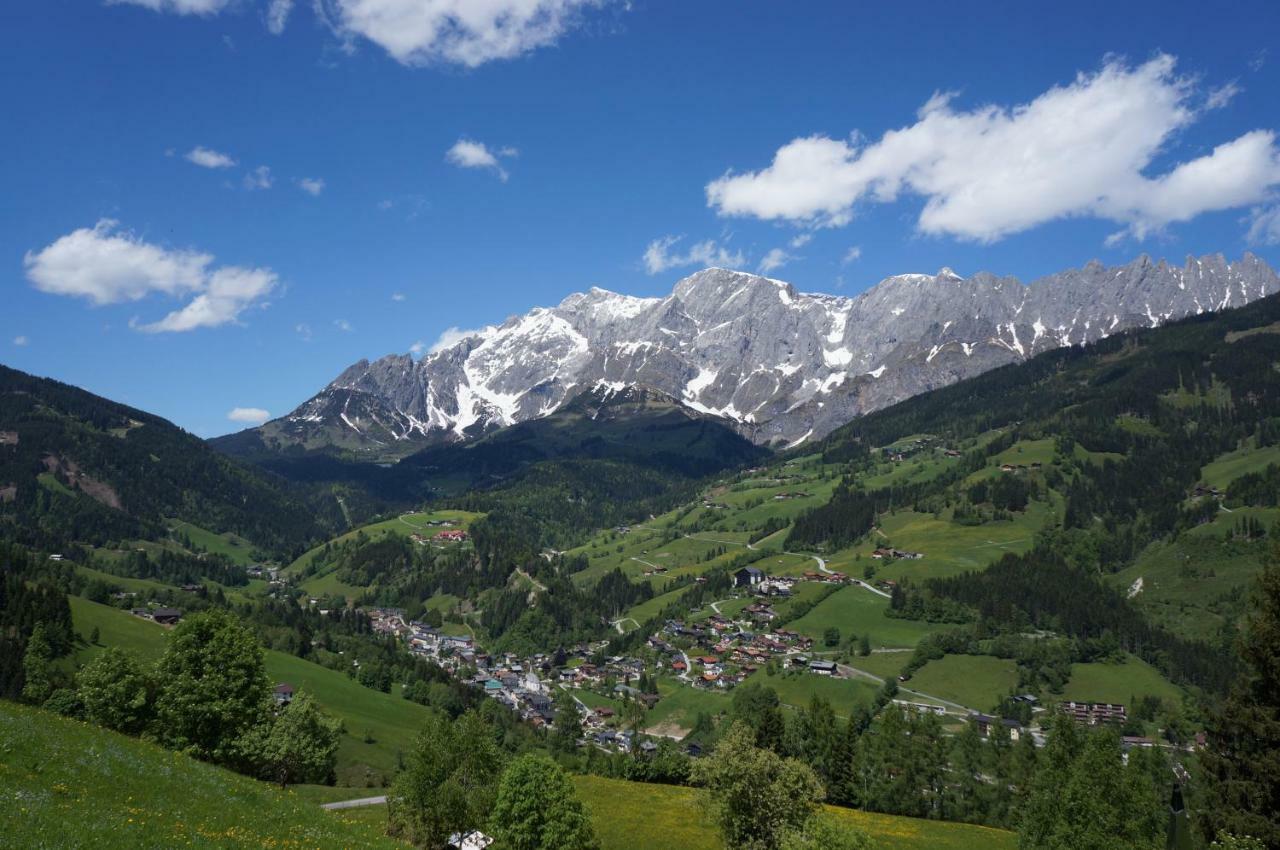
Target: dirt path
{"x":353,"y":804}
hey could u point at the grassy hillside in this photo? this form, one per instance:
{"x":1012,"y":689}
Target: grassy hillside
{"x":69,"y":785}
{"x":378,"y":726}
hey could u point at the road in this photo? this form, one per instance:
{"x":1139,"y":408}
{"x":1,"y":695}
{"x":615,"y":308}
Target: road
{"x":353,"y":804}
{"x":617,"y":624}
{"x":750,"y":546}
{"x":648,"y":564}
{"x":532,"y":580}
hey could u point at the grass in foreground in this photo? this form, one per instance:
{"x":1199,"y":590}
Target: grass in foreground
{"x":66,"y":784}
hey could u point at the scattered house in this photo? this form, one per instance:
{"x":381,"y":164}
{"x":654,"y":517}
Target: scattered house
{"x":986,"y":723}
{"x":1094,"y":713}
{"x":144,"y":613}
{"x":748,"y":577}
{"x":166,"y":616}
{"x":283,"y":694}
{"x":896,"y":554}
{"x":822,"y":668}
{"x":474,"y":840}
{"x":456,"y":536}
{"x":920,"y":707}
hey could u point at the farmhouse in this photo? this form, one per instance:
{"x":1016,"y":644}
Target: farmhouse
{"x":166,"y":616}
{"x":283,"y":694}
{"x":451,"y":536}
{"x":748,"y":577}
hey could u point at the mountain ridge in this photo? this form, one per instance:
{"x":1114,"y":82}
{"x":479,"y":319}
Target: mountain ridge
{"x":782,"y":366}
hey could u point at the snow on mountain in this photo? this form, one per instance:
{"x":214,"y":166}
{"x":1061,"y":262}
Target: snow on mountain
{"x":783,"y":366}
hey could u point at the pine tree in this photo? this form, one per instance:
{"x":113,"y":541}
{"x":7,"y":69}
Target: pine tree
{"x":1242,"y":759}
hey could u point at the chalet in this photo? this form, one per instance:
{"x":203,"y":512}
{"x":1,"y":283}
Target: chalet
{"x":748,"y":577}
{"x":451,"y":536}
{"x":166,"y":616}
{"x":693,"y":750}
{"x":951,"y":453}
{"x":283,"y":694}
{"x":473,"y":840}
{"x":144,"y":613}
{"x":648,"y":748}
{"x":679,"y":666}
{"x":822,"y":668}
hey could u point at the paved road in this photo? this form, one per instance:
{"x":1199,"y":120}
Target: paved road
{"x":353,"y":804}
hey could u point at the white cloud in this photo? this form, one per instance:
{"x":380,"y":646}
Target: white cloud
{"x":278,"y":15}
{"x":417,"y":348}
{"x":303,"y":330}
{"x":852,"y":255}
{"x":397,"y":296}
{"x":1076,"y":150}
{"x":20,"y":341}
{"x":1222,"y":95}
{"x":259,"y":178}
{"x":230,"y":290}
{"x":208,"y":158}
{"x":178,"y":7}
{"x":107,"y":266}
{"x":775,"y":259}
{"x":457,"y":32}
{"x":1264,"y":226}
{"x":466,"y":153}
{"x":248,"y":415}
{"x":800,"y":240}
{"x":342,"y":325}
{"x":313,"y":186}
{"x":658,"y":257}
{"x":449,"y":338}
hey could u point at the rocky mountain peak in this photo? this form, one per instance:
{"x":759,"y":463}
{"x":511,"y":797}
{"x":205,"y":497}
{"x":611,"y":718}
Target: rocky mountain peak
{"x":782,"y":366}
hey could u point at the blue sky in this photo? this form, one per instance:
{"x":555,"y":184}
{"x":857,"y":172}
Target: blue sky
{"x":210,"y":205}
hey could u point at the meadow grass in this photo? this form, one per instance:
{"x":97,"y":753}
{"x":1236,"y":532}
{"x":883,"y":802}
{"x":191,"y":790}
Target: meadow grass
{"x":67,"y":784}
{"x":1232,"y":465}
{"x":639,"y":816}
{"x":233,"y":546}
{"x":1118,"y":682}
{"x":856,"y":611}
{"x":974,"y":681}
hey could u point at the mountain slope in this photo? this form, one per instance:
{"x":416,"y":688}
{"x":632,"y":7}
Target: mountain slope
{"x":780,"y":365}
{"x":77,"y":467}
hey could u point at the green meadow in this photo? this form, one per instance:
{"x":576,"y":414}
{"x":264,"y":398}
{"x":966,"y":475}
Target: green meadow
{"x":974,"y":681}
{"x":68,"y":784}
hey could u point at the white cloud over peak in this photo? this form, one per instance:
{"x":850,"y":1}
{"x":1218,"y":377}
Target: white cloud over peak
{"x":313,"y":186}
{"x":1080,"y":149}
{"x":207,"y":158}
{"x":456,"y":32}
{"x":448,"y":339}
{"x":107,"y":265}
{"x":178,"y":7}
{"x":248,"y":415}
{"x":659,"y":257}
{"x":852,"y":255}
{"x":466,"y":153}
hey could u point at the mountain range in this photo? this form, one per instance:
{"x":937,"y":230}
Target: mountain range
{"x":778,"y":365}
